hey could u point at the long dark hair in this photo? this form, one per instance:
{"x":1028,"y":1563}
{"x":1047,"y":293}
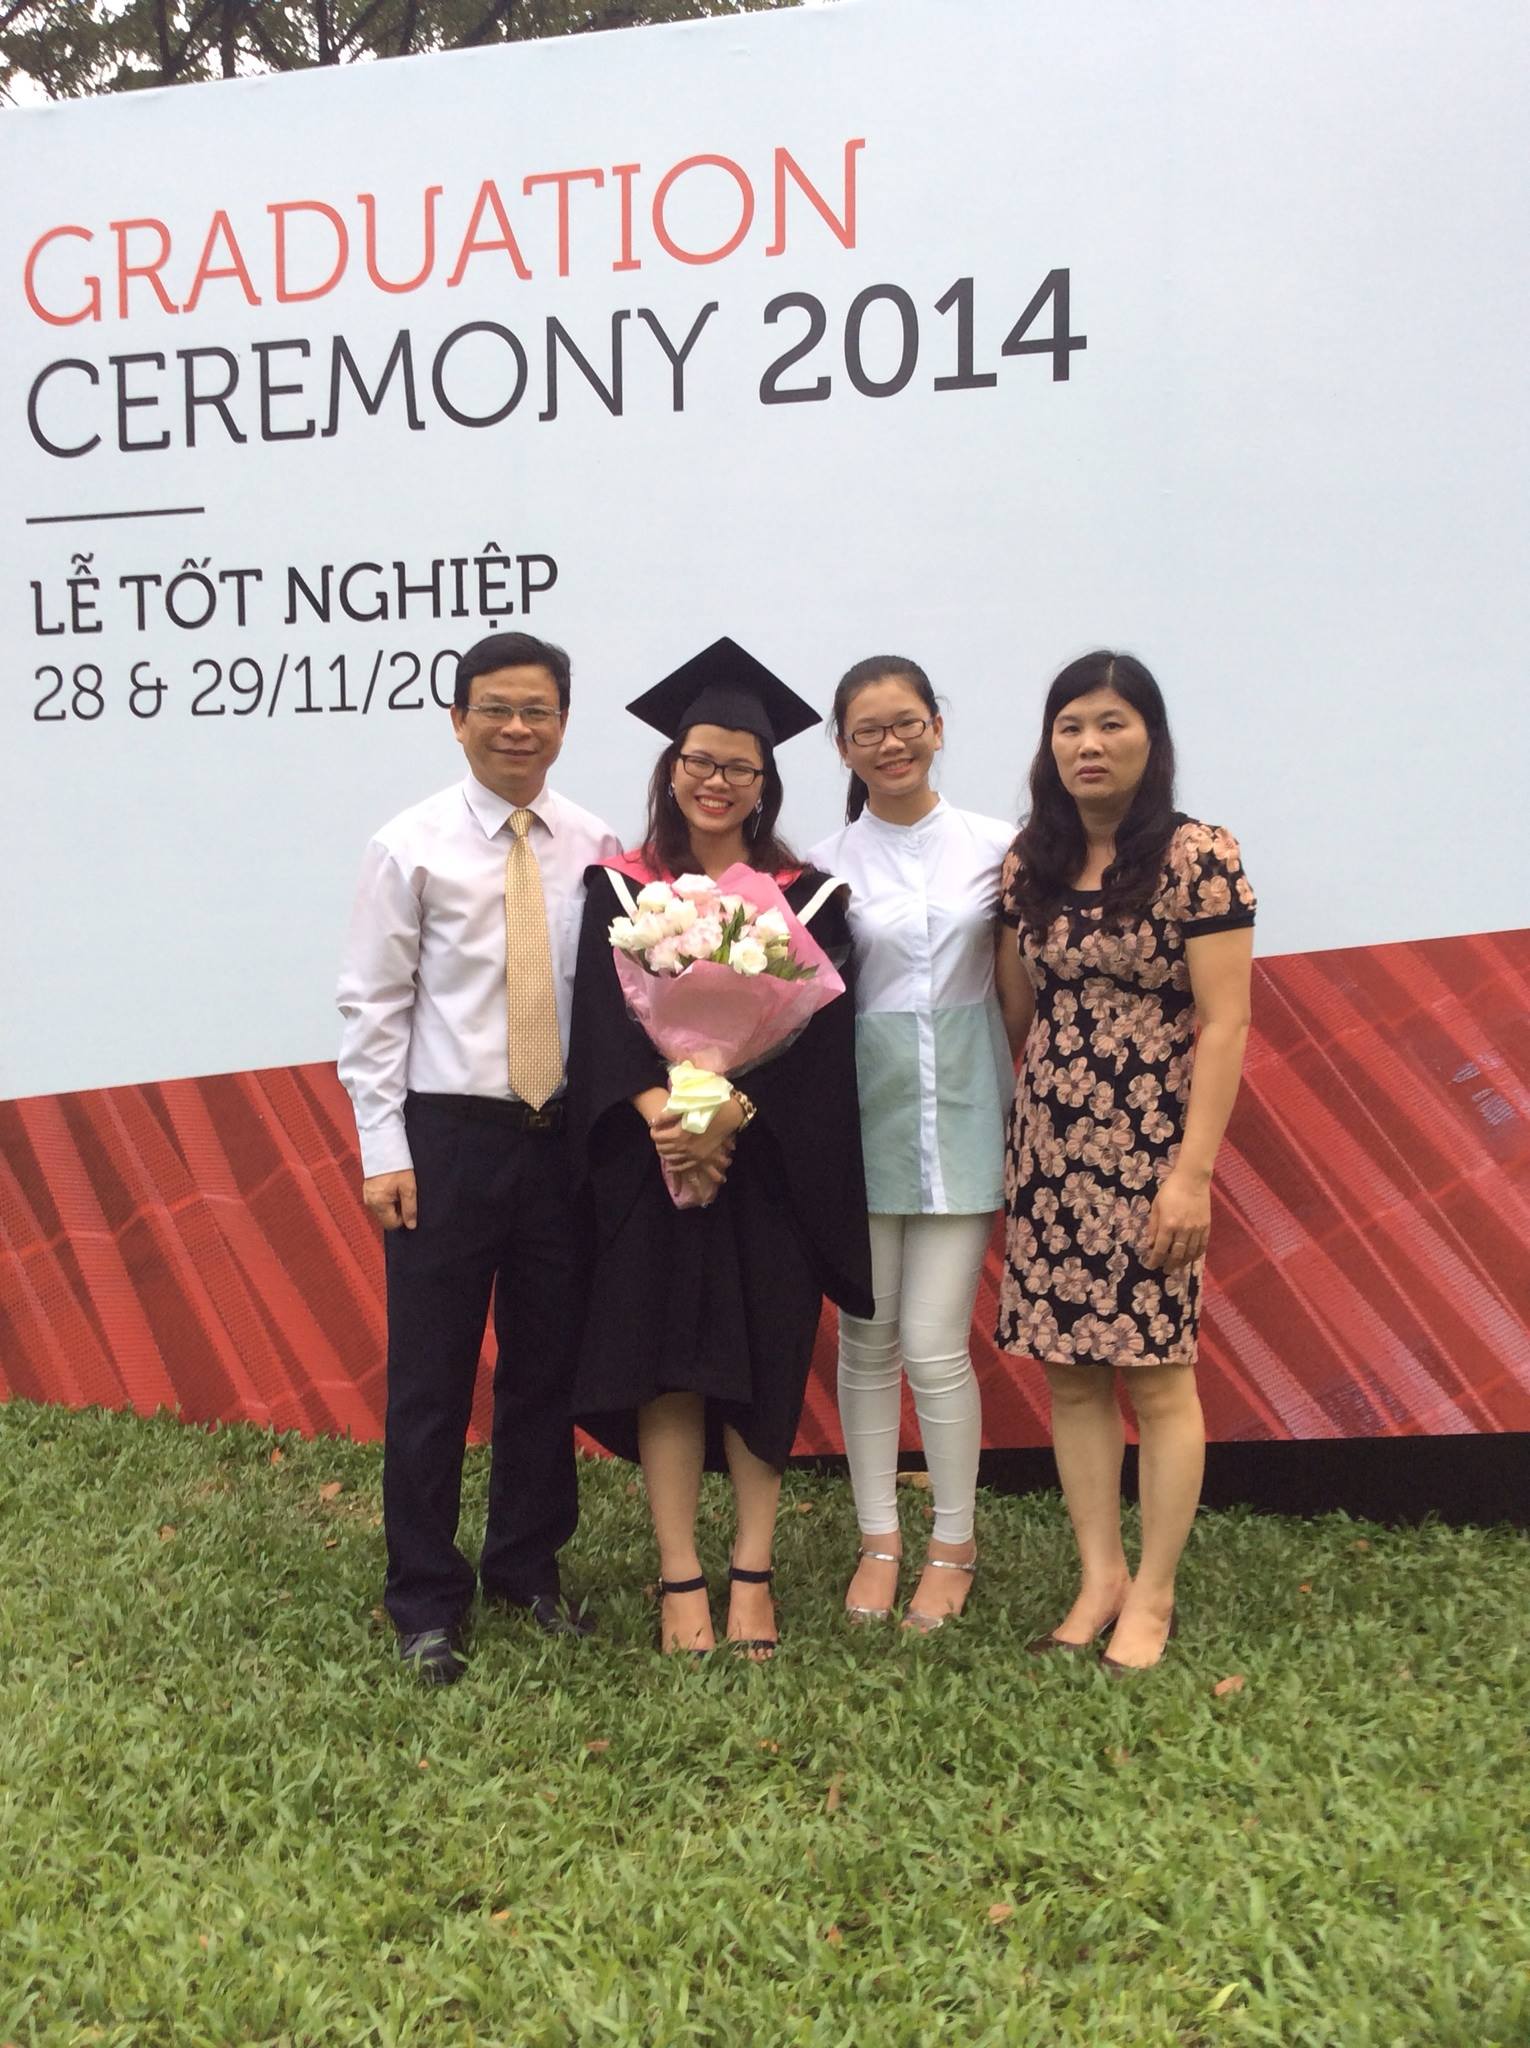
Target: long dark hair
{"x":1052,"y":844}
{"x":667,"y":838}
{"x":876,"y":668}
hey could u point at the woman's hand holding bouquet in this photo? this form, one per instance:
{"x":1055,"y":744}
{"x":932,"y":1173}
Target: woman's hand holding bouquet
{"x":697,"y":1161}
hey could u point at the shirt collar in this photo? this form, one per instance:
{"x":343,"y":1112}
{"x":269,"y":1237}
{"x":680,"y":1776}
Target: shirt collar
{"x":869,"y":818}
{"x":492,"y":811}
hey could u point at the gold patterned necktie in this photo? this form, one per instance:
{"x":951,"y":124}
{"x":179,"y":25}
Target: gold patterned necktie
{"x":535,"y":1049}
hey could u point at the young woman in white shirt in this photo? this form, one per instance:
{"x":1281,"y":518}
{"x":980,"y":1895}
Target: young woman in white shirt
{"x":935,"y":1074}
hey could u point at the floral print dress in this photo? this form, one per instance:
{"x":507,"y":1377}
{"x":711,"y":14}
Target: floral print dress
{"x":1099,"y":1113}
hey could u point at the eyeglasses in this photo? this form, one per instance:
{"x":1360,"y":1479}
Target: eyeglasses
{"x":737,"y":774}
{"x":901,"y":728}
{"x":537,"y":716}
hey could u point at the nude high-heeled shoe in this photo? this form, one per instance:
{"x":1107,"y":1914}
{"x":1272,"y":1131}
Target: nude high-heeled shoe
{"x":1114,"y":1668}
{"x":1044,"y":1646}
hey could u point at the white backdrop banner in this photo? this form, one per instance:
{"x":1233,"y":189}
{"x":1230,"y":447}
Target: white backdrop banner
{"x":982,"y":331}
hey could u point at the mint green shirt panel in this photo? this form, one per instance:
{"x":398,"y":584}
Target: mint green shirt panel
{"x":974,"y":1082}
{"x":887,"y":1076}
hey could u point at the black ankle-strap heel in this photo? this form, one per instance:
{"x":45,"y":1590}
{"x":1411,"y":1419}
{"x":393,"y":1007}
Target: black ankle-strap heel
{"x":696,"y":1585}
{"x":769,"y":1644}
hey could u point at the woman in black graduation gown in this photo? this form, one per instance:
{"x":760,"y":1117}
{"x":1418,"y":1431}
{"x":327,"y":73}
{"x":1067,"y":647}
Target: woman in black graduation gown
{"x":701,"y":1321}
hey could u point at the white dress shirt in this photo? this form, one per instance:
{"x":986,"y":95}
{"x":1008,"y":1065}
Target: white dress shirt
{"x":422,"y":984}
{"x":932,"y":1061}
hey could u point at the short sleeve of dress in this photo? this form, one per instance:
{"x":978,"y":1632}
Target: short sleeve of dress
{"x":1213,"y":893}
{"x":1009,"y":874}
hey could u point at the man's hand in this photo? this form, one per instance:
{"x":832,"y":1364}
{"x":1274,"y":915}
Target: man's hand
{"x":392,"y":1198}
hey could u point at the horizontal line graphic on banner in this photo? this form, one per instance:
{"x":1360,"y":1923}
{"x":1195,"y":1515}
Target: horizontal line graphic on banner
{"x":148,"y":512}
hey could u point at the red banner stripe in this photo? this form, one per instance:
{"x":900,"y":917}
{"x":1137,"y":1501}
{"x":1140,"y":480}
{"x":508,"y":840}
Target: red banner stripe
{"x":199,"y":1245}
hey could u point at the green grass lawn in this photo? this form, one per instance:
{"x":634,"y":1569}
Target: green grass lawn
{"x":227,"y":1817}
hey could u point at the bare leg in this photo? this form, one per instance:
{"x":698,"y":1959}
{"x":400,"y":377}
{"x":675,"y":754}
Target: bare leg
{"x":1088,"y":1441}
{"x":1171,"y":1465}
{"x":671,"y":1447}
{"x":756,"y":1495}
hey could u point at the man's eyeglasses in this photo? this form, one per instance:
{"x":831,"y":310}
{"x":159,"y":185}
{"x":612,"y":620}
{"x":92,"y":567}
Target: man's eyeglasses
{"x":901,"y":728}
{"x":737,"y":774}
{"x":537,"y":716}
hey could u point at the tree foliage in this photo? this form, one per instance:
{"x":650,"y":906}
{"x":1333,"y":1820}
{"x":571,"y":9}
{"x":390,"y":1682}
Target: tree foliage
{"x":72,"y":48}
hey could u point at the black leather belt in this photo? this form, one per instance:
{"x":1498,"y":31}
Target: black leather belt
{"x":492,"y":1109}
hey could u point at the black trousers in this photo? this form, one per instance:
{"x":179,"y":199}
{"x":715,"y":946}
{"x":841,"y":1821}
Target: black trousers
{"x":495,"y":1219}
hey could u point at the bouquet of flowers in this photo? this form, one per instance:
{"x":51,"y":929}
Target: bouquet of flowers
{"x":721,"y":975}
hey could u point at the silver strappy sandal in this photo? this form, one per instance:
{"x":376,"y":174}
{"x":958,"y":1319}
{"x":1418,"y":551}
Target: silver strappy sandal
{"x":926,"y":1624}
{"x":862,"y":1614}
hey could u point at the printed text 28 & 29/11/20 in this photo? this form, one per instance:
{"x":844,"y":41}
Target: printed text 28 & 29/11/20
{"x":302,"y":685}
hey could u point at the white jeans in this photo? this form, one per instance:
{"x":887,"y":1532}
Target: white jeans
{"x":924,"y":1275}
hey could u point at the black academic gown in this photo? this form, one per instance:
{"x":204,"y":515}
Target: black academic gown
{"x":721,"y":1301}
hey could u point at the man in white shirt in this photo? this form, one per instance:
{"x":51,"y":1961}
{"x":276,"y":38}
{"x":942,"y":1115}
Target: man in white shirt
{"x":455,"y":990}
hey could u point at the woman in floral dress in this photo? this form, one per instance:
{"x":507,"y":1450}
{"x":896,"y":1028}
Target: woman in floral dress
{"x":1129,"y":979}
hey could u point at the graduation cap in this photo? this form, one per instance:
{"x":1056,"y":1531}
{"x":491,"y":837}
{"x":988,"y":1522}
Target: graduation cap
{"x":724,"y":685}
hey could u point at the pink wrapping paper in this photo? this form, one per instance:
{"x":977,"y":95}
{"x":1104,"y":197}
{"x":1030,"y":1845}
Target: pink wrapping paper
{"x":721,"y":1020}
